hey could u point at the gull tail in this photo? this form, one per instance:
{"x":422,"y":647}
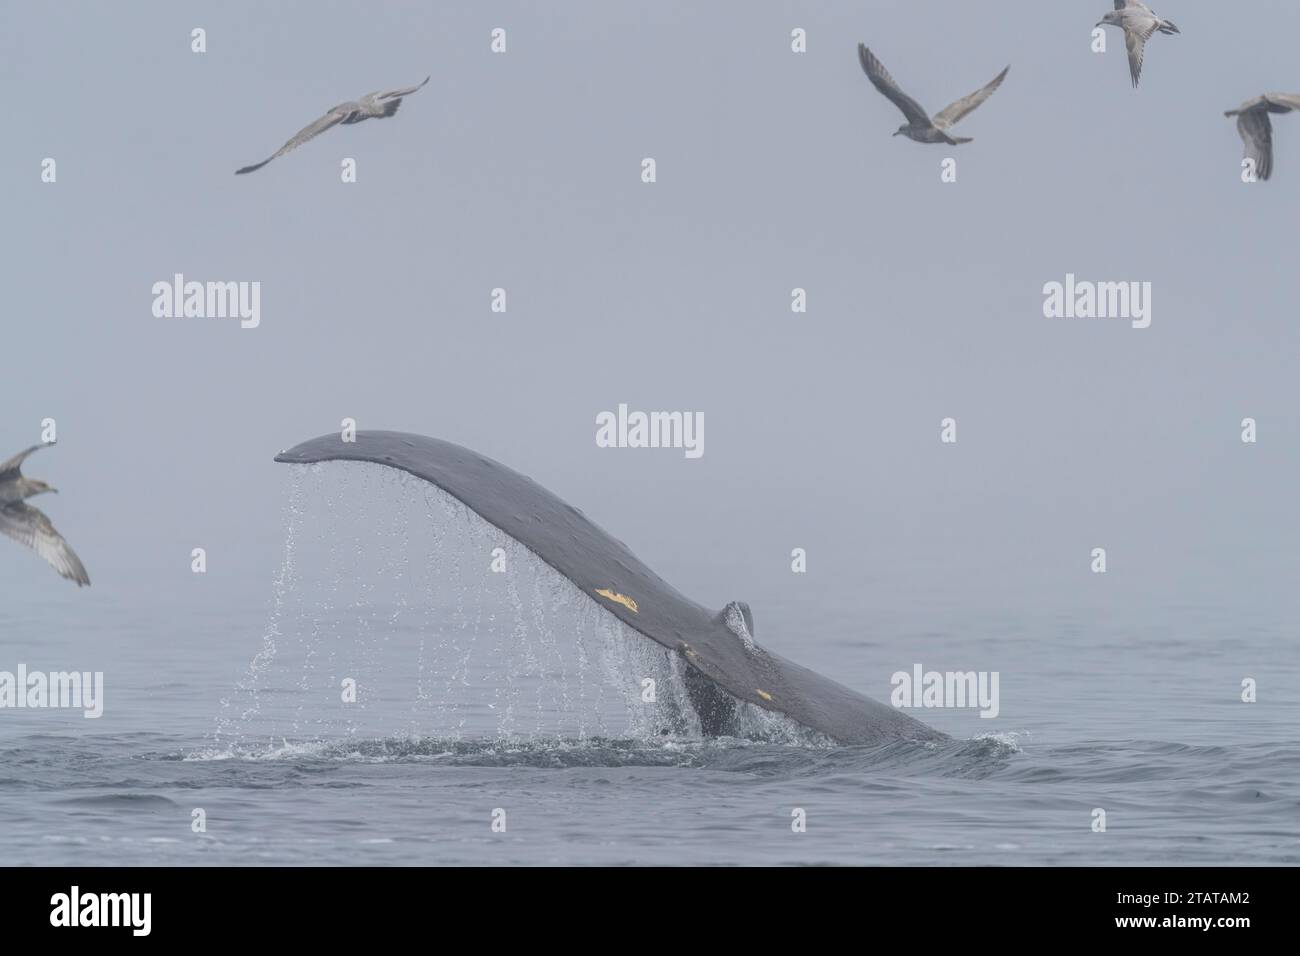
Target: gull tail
{"x":391,"y":107}
{"x":958,"y":140}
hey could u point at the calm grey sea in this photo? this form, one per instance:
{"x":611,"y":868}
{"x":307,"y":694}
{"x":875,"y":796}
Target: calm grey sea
{"x":508,"y":696}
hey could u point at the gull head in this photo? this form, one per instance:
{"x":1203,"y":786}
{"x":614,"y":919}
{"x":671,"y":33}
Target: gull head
{"x":38,"y":487}
{"x":1112,"y":18}
{"x":901,"y":130}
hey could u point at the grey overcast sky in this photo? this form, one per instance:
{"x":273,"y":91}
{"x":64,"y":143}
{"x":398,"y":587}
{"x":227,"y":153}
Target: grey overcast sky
{"x":775,"y":170}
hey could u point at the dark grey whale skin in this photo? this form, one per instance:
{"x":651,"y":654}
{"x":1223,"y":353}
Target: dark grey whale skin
{"x":568,"y":541}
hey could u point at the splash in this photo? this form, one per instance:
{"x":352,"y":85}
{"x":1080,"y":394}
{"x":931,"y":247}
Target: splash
{"x":400,"y":614}
{"x":247,"y":687}
{"x":1004,"y":742}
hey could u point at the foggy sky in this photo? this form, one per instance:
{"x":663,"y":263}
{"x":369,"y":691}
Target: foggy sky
{"x":775,"y":171}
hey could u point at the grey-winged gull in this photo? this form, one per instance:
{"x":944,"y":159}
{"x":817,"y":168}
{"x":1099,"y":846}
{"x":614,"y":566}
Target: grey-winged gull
{"x":29,"y":526}
{"x":1256,"y":128}
{"x":919,"y":125}
{"x":1139,"y":23}
{"x":371,"y":106}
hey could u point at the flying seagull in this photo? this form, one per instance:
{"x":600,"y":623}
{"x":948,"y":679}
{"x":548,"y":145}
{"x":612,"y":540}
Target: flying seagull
{"x":371,"y":106}
{"x":919,"y":125}
{"x":1256,"y":128}
{"x":1139,"y":23}
{"x":29,"y":526}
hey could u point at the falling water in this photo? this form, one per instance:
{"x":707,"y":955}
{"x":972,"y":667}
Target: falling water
{"x":447,"y":628}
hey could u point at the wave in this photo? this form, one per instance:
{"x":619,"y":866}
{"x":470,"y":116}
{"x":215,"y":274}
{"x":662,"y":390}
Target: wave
{"x":797,"y":756}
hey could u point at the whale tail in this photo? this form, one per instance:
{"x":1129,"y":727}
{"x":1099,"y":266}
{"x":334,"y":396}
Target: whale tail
{"x":739,"y":619}
{"x":717,"y":658}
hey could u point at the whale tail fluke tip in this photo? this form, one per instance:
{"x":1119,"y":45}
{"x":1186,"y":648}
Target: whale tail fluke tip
{"x":738,"y":609}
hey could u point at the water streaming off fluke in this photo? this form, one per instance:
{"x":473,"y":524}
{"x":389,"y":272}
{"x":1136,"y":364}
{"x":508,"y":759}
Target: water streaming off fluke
{"x":446,"y":628}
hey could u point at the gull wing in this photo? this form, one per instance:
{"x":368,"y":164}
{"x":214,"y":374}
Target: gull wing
{"x":1281,"y":102}
{"x":953,"y":112}
{"x":882,"y":81}
{"x":331,"y":118}
{"x":1273,"y":102}
{"x":1136,"y":41}
{"x":390,"y":94}
{"x":1248,"y":105}
{"x":11,"y":468}
{"x":1256,"y":131}
{"x":29,"y":527}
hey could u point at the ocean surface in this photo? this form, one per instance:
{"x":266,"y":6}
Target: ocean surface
{"x":506,"y":697}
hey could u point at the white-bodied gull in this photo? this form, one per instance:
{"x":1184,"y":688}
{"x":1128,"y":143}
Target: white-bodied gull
{"x":1139,"y":23}
{"x":371,"y":106}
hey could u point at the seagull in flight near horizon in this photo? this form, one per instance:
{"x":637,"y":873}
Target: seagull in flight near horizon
{"x":29,"y":526}
{"x":1139,"y":23}
{"x":1256,"y":128}
{"x":371,"y":106}
{"x":919,"y":125}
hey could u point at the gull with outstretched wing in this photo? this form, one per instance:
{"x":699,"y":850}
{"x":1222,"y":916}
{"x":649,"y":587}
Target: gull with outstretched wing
{"x":1256,"y":128}
{"x":1139,"y":23}
{"x":375,"y":105}
{"x":29,"y":526}
{"x":919,"y":125}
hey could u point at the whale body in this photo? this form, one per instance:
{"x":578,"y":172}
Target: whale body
{"x":723,"y":661}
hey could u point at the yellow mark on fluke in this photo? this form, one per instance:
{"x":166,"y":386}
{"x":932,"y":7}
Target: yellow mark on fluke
{"x":762,"y":693}
{"x":617,"y":598}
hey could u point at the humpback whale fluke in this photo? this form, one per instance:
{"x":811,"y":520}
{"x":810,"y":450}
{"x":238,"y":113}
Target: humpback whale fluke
{"x":375,"y":105}
{"x":29,"y":526}
{"x":722,"y":660}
